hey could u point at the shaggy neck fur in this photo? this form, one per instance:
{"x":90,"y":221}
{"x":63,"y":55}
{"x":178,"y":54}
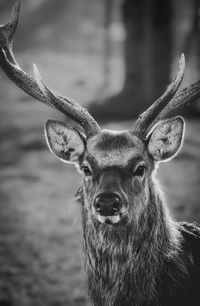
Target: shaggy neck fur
{"x":126,"y":265}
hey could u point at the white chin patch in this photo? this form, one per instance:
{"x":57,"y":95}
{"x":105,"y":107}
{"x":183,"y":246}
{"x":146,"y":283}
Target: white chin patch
{"x":111,"y":219}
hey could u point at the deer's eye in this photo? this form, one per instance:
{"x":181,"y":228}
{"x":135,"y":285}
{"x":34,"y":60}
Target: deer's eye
{"x":140,"y":170}
{"x":86,"y":170}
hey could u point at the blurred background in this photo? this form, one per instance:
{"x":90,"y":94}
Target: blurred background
{"x":115,"y":57}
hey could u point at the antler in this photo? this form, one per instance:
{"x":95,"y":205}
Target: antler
{"x":38,"y":89}
{"x":184,"y":97}
{"x":167,"y":103}
{"x":144,"y":121}
{"x":162,"y":107}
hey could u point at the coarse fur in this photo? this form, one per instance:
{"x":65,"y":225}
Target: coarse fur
{"x":141,"y":260}
{"x":138,"y":265}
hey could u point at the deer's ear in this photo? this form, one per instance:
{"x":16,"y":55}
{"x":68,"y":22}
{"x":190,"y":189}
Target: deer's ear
{"x":64,"y":142}
{"x":166,"y":138}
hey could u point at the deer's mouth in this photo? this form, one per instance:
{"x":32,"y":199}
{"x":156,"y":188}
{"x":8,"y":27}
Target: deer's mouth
{"x":109,"y":219}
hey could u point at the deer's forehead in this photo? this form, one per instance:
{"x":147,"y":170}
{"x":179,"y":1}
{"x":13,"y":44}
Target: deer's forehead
{"x":114,"y":148}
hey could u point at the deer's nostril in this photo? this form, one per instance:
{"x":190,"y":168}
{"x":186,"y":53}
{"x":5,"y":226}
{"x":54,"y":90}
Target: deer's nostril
{"x":97,"y":205}
{"x":116,"y":204}
{"x":107,"y":204}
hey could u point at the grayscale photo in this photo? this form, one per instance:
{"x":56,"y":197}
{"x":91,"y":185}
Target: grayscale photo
{"x":99,"y":153}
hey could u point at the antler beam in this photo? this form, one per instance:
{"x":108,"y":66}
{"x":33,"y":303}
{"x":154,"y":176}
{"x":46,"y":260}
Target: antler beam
{"x":167,"y":103}
{"x":153,"y":111}
{"x":65,"y":105}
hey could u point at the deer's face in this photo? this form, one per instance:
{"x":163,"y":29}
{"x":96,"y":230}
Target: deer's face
{"x":116,"y":166}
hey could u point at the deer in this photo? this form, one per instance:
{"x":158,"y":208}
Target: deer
{"x":135,"y":253}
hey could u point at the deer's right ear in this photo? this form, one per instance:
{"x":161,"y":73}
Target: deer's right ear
{"x":166,"y":138}
{"x":64,"y":142}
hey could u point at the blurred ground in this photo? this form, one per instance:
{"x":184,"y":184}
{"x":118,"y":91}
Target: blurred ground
{"x":40,"y":227}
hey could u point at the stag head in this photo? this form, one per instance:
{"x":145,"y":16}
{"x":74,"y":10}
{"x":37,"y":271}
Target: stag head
{"x":117,"y":167}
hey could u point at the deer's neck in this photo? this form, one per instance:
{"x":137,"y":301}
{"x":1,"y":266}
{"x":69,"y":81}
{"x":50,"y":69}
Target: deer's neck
{"x":124,"y":264}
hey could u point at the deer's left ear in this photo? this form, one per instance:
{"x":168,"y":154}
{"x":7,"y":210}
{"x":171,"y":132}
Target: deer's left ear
{"x":66,"y":143}
{"x":166,"y":138}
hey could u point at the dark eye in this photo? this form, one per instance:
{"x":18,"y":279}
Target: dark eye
{"x":140,"y":170}
{"x":86,"y":170}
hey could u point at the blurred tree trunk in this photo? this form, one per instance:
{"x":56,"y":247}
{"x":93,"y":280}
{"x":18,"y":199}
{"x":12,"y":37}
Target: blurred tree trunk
{"x":191,"y":49}
{"x":196,"y":22}
{"x":147,"y":51}
{"x":147,"y":54}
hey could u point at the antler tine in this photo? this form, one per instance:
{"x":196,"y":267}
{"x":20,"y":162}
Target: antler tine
{"x":30,"y":86}
{"x":7,"y":32}
{"x":67,"y":106}
{"x":7,"y":60}
{"x":146,"y":118}
{"x":184,"y":97}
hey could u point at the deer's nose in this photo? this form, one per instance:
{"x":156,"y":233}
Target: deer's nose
{"x":108,"y":204}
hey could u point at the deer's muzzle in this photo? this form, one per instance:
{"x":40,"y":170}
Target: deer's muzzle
{"x":108,"y":204}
